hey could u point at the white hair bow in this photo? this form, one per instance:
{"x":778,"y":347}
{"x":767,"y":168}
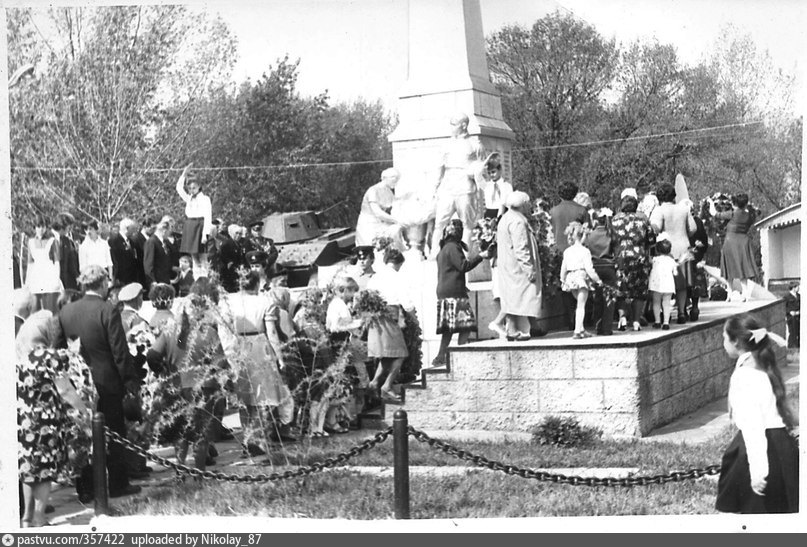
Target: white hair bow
{"x":662,"y":237}
{"x":758,"y":335}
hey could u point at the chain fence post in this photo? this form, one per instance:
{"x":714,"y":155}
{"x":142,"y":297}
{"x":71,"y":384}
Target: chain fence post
{"x":400,"y":437}
{"x":99,"y":464}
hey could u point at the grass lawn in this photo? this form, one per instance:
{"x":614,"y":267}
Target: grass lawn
{"x":348,"y":495}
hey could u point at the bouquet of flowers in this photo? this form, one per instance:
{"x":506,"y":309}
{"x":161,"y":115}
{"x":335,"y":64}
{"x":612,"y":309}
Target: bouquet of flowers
{"x":381,"y":243}
{"x":610,"y":293}
{"x":371,"y":307}
{"x":484,"y":234}
{"x":140,"y":338}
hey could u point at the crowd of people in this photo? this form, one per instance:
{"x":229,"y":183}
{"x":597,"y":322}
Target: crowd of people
{"x":223,"y":330}
{"x":642,"y":266}
{"x":215,"y":335}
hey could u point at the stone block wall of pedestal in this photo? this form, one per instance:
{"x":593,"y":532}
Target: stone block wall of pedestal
{"x":622,"y":389}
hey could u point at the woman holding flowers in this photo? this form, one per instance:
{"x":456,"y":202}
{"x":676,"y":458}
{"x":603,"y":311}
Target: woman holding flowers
{"x":454,"y":310}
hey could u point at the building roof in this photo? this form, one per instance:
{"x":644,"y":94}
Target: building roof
{"x":781,"y":219}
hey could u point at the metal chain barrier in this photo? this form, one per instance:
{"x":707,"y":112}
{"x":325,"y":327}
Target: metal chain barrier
{"x":364,"y":446}
{"x":526,"y":473}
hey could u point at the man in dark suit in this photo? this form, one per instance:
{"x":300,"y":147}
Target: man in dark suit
{"x":97,"y":324}
{"x":563,"y":214}
{"x":147,"y":227}
{"x":68,"y":250}
{"x":157,"y":256}
{"x":218,"y":236}
{"x":231,"y":258}
{"x":124,"y":254}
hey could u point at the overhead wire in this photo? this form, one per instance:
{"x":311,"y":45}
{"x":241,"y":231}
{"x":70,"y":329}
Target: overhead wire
{"x":701,"y":132}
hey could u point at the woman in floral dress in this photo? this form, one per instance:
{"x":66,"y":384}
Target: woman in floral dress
{"x":634,"y":237}
{"x":55,"y":397}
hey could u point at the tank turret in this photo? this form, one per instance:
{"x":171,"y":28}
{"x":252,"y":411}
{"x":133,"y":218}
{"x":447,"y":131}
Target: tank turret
{"x":304,"y":244}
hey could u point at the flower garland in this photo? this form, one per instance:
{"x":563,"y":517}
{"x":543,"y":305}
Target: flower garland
{"x":413,"y":337}
{"x":550,"y":259}
{"x":79,"y":420}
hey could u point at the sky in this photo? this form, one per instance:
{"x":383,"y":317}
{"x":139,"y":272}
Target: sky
{"x":358,"y":48}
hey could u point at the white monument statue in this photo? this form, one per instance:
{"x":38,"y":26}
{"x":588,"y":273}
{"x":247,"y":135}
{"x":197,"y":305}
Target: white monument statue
{"x":448,"y":80}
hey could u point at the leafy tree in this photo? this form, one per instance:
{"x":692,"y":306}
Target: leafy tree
{"x":268,"y":149}
{"x":98,"y":110}
{"x":608,"y":118}
{"x":551,"y":78}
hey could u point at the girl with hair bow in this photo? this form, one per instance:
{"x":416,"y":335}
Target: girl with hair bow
{"x":760,"y":468}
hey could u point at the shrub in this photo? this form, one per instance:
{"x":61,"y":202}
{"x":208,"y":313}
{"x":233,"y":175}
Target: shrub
{"x":565,"y":432}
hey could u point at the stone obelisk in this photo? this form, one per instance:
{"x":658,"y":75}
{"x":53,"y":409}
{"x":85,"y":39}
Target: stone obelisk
{"x":448,"y":74}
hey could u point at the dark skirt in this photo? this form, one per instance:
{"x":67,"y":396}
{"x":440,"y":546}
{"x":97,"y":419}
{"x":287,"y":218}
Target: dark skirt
{"x":736,"y":259}
{"x":455,"y":315}
{"x":685,"y":276}
{"x":192,"y":236}
{"x":734,"y":494}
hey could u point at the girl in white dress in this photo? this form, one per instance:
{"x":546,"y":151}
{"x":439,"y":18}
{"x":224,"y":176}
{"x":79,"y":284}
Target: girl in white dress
{"x":42,"y":277}
{"x":577,"y":274}
{"x":662,"y":282}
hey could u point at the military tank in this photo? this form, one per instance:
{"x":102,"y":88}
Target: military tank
{"x":304,"y":245}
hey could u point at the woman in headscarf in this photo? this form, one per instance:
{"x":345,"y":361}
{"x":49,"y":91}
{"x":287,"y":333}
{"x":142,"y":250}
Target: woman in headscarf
{"x":519,"y":268}
{"x":454,"y":310}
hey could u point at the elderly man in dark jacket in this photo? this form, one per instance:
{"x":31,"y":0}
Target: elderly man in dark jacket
{"x":97,"y":324}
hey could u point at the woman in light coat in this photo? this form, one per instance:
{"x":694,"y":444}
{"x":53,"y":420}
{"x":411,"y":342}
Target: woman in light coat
{"x":519,"y":268}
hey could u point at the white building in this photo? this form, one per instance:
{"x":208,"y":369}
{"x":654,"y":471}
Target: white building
{"x":780,"y":244}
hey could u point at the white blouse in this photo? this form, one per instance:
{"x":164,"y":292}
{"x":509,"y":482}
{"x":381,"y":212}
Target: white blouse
{"x":752,"y":406}
{"x":496,"y":193}
{"x":94,"y":252}
{"x":198,"y":206}
{"x":338,"y":317}
{"x":577,"y":257}
{"x":390,"y":285}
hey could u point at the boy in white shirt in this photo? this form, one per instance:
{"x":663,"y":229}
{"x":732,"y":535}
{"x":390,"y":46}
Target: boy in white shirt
{"x":339,"y":323}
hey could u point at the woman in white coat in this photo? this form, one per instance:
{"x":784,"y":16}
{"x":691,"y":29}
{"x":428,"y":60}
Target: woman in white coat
{"x":519,"y":267}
